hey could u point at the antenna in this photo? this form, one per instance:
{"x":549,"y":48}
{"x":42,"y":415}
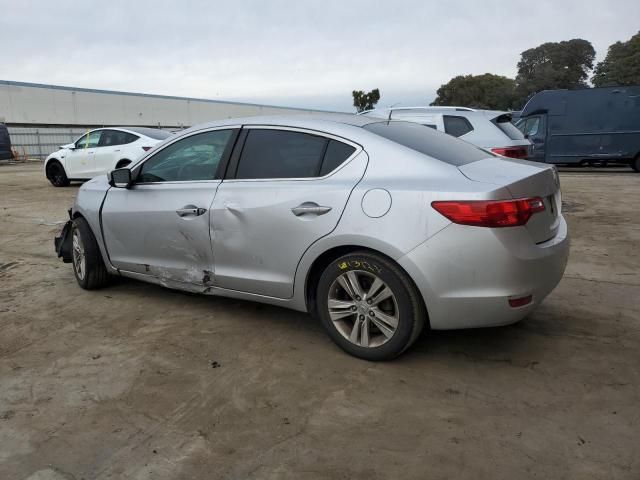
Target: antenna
{"x":391,"y":110}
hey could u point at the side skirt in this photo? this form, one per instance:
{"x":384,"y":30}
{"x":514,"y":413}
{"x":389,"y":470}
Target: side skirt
{"x":210,"y":290}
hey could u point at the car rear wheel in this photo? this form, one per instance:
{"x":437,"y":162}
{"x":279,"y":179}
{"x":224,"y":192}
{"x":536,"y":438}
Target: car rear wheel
{"x":88,"y":266}
{"x":369,"y":306}
{"x":56,"y":174}
{"x":635,"y":163}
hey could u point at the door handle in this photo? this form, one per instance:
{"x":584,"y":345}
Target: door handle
{"x":190,"y":210}
{"x":310,"y":207}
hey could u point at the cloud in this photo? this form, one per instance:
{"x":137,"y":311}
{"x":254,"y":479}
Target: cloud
{"x":297,"y":52}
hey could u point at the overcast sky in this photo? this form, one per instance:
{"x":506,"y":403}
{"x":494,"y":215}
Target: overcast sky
{"x":296,"y":52}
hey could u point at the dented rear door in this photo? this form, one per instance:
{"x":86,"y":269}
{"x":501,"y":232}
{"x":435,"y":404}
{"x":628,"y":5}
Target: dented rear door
{"x":262,"y":223}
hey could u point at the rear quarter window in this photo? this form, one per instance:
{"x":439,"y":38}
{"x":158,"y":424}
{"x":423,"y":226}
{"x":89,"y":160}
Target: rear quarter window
{"x":336,"y":154}
{"x":438,"y":145}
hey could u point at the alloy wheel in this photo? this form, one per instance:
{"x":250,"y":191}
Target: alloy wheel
{"x":363,"y":308}
{"x":79,"y":259}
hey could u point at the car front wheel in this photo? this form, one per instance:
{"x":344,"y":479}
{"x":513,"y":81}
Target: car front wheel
{"x":369,"y":306}
{"x":88,"y":266}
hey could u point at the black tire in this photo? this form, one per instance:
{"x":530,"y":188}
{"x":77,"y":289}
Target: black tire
{"x":635,"y":163}
{"x":405,"y":304}
{"x":56,"y":174}
{"x":123,"y":163}
{"x":94,"y":274}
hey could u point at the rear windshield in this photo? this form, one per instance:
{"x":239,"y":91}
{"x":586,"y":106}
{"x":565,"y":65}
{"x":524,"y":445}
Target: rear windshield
{"x":430,"y":142}
{"x":154,"y":133}
{"x":508,"y":128}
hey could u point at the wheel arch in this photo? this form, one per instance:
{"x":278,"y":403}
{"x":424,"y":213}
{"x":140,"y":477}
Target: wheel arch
{"x":48,"y":161}
{"x":91,"y":214}
{"x":123,"y":162}
{"x":322,"y":260}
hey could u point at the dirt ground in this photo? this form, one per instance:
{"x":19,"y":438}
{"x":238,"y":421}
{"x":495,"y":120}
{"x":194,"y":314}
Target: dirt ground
{"x":139,"y":382}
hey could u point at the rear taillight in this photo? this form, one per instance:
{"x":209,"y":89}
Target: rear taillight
{"x":512,"y":152}
{"x":490,"y":213}
{"x":146,"y":149}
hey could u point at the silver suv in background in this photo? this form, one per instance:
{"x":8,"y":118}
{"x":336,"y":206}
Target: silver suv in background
{"x":488,"y":129}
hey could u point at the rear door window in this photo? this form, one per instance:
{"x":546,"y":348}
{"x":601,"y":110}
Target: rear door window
{"x":456,"y":126}
{"x":425,"y":140}
{"x":269,"y":153}
{"x":126,"y":137}
{"x":111,"y":138}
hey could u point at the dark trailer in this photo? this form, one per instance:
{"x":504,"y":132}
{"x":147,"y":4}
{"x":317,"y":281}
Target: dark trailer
{"x":591,"y":126}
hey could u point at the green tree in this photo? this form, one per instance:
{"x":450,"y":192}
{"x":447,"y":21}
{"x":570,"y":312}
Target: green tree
{"x":554,"y":65}
{"x":365,"y":101}
{"x":621,"y":65}
{"x":488,"y":91}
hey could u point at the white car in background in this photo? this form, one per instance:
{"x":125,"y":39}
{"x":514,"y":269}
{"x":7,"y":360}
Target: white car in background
{"x":488,"y":129}
{"x":100,"y":151}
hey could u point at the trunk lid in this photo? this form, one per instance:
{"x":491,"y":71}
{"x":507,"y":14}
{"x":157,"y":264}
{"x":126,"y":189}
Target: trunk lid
{"x":524,"y":179}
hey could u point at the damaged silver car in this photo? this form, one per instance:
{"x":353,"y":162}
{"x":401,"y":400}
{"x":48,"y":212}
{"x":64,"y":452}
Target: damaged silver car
{"x":376,"y":227}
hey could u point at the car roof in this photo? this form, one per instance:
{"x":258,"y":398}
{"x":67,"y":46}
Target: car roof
{"x":146,"y":131}
{"x":416,"y":111}
{"x":346,"y":118}
{"x":320,"y":122}
{"x":143,"y":130}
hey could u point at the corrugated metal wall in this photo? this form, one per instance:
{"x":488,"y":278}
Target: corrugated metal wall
{"x":50,"y":105}
{"x":37,"y":143}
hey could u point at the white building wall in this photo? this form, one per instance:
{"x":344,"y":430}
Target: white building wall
{"x":34,"y":104}
{"x":42,"y":117}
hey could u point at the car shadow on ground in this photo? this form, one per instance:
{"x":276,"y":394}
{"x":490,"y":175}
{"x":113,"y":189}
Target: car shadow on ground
{"x":493,"y":344}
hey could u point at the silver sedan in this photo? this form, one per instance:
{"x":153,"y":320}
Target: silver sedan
{"x":378,"y":228}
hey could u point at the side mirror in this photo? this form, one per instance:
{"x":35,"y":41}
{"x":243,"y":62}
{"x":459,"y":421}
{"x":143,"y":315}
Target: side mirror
{"x":120,"y":178}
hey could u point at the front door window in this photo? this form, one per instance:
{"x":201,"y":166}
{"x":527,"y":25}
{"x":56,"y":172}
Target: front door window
{"x":90,"y":140}
{"x":195,"y":158}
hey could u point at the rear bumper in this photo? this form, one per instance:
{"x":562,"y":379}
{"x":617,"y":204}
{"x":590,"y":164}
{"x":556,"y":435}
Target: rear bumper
{"x":468,"y":274}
